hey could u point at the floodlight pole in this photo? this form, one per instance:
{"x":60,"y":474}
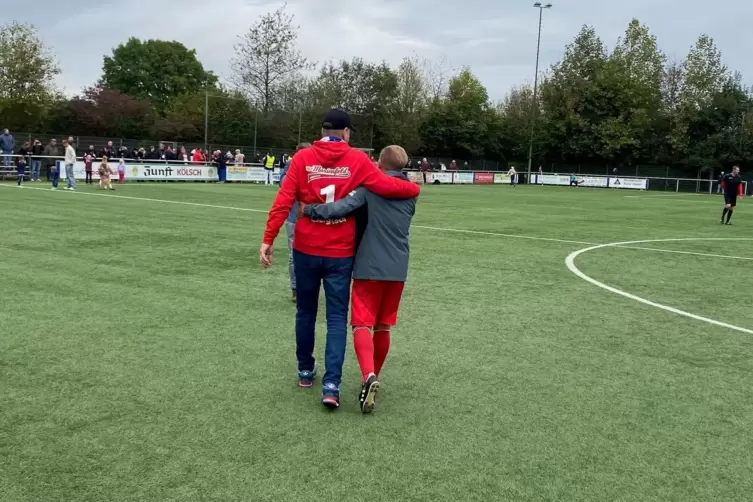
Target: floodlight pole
{"x":206,"y":118}
{"x":534,"y":101}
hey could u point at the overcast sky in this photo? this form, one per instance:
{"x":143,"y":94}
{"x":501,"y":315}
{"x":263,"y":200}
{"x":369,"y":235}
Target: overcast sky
{"x":496,"y":38}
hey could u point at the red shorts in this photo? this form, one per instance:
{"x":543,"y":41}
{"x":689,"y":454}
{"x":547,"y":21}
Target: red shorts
{"x":375,"y":302}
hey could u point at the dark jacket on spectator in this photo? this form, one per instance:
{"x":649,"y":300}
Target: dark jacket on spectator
{"x":36,"y":151}
{"x":51,"y":151}
{"x":220,"y":161}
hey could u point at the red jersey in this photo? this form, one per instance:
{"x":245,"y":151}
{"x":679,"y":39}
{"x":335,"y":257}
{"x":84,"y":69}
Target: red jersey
{"x":326,"y":172}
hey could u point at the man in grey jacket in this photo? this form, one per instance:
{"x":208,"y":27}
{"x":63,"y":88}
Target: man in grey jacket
{"x":7,"y":145}
{"x":380,"y":270}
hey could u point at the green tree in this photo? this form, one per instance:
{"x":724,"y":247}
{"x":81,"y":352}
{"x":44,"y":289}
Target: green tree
{"x":158,"y":71}
{"x":572,"y":104}
{"x":459,"y":125}
{"x":630,"y":94}
{"x":410,"y":104}
{"x":266,"y":57}
{"x":27,"y":74}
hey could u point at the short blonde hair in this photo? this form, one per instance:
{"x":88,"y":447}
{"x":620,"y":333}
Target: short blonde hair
{"x":393,"y":157}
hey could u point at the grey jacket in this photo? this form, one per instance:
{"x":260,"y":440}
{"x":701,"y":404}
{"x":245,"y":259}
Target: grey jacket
{"x":7,"y":142}
{"x":383,"y":251}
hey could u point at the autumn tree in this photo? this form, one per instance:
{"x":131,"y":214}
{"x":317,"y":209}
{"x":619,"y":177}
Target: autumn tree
{"x":267,"y":57}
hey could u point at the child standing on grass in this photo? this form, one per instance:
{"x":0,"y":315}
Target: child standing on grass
{"x":380,"y":269}
{"x":88,"y":161}
{"x":121,"y":171}
{"x":104,"y":175}
{"x":21,"y":168}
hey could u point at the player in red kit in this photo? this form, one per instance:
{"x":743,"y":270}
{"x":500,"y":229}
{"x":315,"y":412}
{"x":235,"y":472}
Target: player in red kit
{"x":323,"y":250}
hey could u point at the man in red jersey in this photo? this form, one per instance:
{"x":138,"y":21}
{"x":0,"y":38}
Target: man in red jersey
{"x":323,"y":250}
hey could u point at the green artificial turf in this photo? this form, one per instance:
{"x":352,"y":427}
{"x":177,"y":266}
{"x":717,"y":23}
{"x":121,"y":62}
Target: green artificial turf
{"x":146,"y":356}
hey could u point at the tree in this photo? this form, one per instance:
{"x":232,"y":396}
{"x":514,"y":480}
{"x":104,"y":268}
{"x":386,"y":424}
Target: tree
{"x":571,"y":102}
{"x":99,"y":111}
{"x":158,"y":71}
{"x":437,"y":74}
{"x":515,"y":112}
{"x":705,"y":73}
{"x":630,"y":85}
{"x":266,"y":57}
{"x":27,"y":73}
{"x":458,"y":126}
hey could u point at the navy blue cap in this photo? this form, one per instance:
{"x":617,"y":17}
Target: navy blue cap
{"x":337,"y":120}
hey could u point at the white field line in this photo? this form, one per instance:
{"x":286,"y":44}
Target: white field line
{"x":570,"y":262}
{"x":666,"y":195}
{"x":233,"y":208}
{"x":438,"y":229}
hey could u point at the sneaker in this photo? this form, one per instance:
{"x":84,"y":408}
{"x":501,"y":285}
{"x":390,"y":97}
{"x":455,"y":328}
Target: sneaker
{"x":294,"y":298}
{"x":54,"y":188}
{"x":368,"y":394}
{"x":331,"y":396}
{"x":728,"y":223}
{"x":306,"y":378}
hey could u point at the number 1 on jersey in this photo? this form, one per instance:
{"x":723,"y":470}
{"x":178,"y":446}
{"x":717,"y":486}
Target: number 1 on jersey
{"x":329,"y":193}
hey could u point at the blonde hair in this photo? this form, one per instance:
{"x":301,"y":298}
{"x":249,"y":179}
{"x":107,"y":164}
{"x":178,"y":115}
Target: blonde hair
{"x":393,"y":158}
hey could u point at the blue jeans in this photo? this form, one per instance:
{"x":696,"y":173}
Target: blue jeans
{"x":7,"y":157}
{"x":222,"y":173}
{"x":54,"y":176}
{"x":70,"y":176}
{"x":335,"y":274}
{"x":36,"y":168}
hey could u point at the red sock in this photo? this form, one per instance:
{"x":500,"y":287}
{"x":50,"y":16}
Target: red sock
{"x":364,"y":346}
{"x":381,"y":348}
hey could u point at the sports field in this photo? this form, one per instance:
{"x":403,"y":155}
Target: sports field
{"x":145,"y":355}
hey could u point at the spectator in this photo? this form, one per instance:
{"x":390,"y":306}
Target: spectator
{"x":425,"y":167}
{"x":141,"y":154}
{"x":72,"y":143}
{"x":123,"y":152}
{"x":36,"y":161}
{"x":21,"y":170}
{"x":183,"y":154}
{"x":70,"y":162}
{"x":169,"y":154}
{"x":7,"y":145}
{"x":442,"y":167}
{"x":453,"y":166}
{"x":107,"y":151}
{"x":25,"y":150}
{"x":91,"y":152}
{"x":198,"y":157}
{"x":51,"y":151}
{"x":88,"y":162}
{"x":121,"y":171}
{"x":153,"y":154}
{"x":240,"y":159}
{"x":221,"y":163}
{"x":269,"y":165}
{"x":465,"y":166}
{"x":719,"y":180}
